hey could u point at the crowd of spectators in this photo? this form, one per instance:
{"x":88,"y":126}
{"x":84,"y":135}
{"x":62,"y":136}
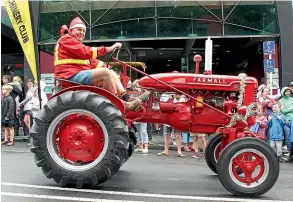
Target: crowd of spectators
{"x":275,"y":119}
{"x":19,"y":107}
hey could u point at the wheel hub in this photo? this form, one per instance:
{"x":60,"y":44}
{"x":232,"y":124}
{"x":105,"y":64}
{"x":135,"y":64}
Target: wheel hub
{"x":252,"y":166}
{"x":80,"y":139}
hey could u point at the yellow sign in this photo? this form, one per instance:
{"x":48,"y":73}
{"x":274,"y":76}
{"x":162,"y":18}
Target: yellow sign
{"x":19,"y":14}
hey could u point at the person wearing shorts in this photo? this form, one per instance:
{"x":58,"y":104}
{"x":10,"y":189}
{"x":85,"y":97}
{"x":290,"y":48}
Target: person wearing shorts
{"x":73,"y":61}
{"x":197,"y":136}
{"x":8,"y":115}
{"x":167,"y":131}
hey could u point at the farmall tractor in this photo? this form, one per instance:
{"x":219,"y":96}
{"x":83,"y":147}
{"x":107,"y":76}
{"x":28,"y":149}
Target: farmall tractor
{"x":83,"y":135}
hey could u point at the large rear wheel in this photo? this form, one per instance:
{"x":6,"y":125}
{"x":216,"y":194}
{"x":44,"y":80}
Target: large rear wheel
{"x":259,"y":165}
{"x":79,"y":138}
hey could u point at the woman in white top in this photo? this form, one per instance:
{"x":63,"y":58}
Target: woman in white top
{"x":27,"y":107}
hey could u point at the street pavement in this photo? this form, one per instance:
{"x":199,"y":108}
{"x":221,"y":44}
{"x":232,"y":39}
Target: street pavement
{"x":145,"y":177}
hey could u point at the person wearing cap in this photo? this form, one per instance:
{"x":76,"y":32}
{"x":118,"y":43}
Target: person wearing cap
{"x":72,"y":61}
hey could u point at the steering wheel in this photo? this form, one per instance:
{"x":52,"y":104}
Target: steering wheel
{"x":111,"y":55}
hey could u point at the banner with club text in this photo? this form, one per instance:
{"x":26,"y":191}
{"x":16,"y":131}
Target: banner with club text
{"x":20,"y":17}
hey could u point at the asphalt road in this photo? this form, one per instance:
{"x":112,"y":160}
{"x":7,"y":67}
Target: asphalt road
{"x":145,"y":177}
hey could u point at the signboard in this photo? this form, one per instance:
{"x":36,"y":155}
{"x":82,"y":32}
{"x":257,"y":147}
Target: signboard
{"x":269,"y":65}
{"x":268,"y":47}
{"x":48,"y":78}
{"x":49,"y":89}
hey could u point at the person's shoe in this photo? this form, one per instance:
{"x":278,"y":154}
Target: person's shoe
{"x":138,"y":150}
{"x":11,"y":143}
{"x":187,"y":149}
{"x":151,"y":143}
{"x":4,"y":142}
{"x":133,"y":105}
{"x":196,"y":155}
{"x":143,"y":97}
{"x":289,"y":159}
{"x":145,"y":151}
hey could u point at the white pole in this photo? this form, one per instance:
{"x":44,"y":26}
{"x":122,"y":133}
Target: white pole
{"x":271,"y":79}
{"x":208,"y":54}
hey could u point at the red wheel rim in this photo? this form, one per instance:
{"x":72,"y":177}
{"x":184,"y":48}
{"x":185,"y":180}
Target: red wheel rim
{"x":80,"y":138}
{"x":77,"y":139}
{"x":248,"y":169}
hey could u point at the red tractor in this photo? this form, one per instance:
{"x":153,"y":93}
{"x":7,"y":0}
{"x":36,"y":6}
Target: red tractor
{"x":83,"y":135}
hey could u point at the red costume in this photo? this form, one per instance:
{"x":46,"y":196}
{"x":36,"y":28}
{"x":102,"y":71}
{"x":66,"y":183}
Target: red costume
{"x":71,"y":56}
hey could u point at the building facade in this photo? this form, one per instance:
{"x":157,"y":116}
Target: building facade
{"x":147,"y":27}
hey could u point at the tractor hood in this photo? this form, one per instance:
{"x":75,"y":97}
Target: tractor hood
{"x":186,"y":81}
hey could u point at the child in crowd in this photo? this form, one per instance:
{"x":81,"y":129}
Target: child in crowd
{"x":196,"y":137}
{"x":187,"y":141}
{"x":8,"y":115}
{"x":261,"y":123}
{"x":266,"y":101}
{"x":276,"y":122}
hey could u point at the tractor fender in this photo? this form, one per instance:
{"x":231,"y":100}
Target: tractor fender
{"x":115,"y":100}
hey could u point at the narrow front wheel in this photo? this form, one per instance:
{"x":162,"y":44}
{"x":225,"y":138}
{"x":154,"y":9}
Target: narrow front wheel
{"x":259,"y":165}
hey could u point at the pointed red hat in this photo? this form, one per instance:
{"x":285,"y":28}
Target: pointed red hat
{"x":77,"y":22}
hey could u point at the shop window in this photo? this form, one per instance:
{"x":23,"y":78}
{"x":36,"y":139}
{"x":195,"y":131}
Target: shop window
{"x":188,"y":9}
{"x":116,"y":11}
{"x":188,"y":18}
{"x":150,"y":19}
{"x":187,"y":28}
{"x":121,"y":30}
{"x":257,"y":17}
{"x":54,"y":14}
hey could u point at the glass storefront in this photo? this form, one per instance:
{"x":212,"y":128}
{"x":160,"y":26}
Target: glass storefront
{"x":125,"y":20}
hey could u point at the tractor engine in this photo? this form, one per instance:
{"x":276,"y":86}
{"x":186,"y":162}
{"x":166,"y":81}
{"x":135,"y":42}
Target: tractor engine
{"x":216,"y":101}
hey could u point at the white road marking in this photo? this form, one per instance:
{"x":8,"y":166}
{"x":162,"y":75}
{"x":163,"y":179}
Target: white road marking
{"x":164,"y":196}
{"x":63,"y":198}
{"x":16,"y":151}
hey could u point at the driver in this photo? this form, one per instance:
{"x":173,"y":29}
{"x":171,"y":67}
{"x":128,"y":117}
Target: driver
{"x":72,"y":62}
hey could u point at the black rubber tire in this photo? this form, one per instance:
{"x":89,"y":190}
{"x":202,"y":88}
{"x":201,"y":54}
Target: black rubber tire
{"x":248,"y":143}
{"x":112,"y":119}
{"x":132,"y":140}
{"x":209,"y":153}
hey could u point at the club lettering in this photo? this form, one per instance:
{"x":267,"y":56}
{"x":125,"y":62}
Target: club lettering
{"x":18,"y":19}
